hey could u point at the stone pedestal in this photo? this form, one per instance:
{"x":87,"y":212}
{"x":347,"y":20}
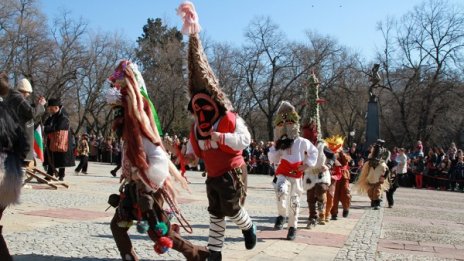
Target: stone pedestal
{"x":372,"y":124}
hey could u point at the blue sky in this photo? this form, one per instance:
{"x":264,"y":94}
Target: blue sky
{"x":351,"y":22}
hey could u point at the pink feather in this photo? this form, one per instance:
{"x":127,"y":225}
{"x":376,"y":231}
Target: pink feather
{"x":189,"y":17}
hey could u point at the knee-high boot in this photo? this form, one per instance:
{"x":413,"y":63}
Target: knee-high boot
{"x":122,"y":240}
{"x":4,"y":253}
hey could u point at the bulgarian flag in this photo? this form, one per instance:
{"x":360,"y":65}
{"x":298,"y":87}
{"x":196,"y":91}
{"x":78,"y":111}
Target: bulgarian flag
{"x":38,"y":143}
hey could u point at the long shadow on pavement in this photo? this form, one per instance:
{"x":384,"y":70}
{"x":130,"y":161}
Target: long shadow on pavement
{"x":34,"y":257}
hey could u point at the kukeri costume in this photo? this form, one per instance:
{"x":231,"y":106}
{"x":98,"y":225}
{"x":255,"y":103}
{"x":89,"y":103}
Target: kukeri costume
{"x":13,"y":150}
{"x":335,"y":144}
{"x":293,"y":154}
{"x":316,"y":183}
{"x":218,"y":136}
{"x":146,"y":171}
{"x":372,"y":180}
{"x":317,"y":178}
{"x":342,"y":187}
{"x":393,"y":181}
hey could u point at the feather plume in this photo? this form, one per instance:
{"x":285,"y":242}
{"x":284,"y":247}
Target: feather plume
{"x":189,"y":17}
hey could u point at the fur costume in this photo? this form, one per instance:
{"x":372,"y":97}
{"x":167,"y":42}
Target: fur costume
{"x":11,"y":176}
{"x":372,"y":178}
{"x":293,"y":154}
{"x":13,"y":147}
{"x":316,"y":174}
{"x":13,"y":150}
{"x":218,"y":136}
{"x":316,"y":183}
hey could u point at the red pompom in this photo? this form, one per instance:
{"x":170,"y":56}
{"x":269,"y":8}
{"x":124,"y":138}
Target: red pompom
{"x":163,"y":244}
{"x":159,"y":249}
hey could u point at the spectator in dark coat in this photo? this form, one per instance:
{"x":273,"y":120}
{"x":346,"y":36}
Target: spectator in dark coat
{"x":58,"y":121}
{"x":24,"y":112}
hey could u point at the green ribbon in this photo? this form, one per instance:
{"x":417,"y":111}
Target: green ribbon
{"x":153,"y":110}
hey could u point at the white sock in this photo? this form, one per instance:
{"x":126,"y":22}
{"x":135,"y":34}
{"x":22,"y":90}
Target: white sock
{"x":242,"y":219}
{"x":217,"y":228}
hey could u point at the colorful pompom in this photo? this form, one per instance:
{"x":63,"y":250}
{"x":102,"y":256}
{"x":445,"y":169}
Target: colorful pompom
{"x":163,"y":244}
{"x":161,"y":229}
{"x":142,"y":227}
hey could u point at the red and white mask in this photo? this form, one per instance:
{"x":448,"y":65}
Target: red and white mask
{"x":206,"y":113}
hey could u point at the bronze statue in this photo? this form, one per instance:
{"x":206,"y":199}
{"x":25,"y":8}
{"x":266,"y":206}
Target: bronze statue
{"x":374,"y":78}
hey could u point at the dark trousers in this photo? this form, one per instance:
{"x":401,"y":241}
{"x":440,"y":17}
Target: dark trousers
{"x":51,"y":171}
{"x":4,"y":253}
{"x":390,"y":193}
{"x":224,"y":193}
{"x":82,"y":164}
{"x":118,"y":162}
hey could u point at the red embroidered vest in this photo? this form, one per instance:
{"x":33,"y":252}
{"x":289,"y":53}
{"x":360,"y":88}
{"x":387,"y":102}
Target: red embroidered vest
{"x":219,"y":161}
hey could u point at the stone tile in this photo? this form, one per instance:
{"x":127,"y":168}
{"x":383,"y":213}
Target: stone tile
{"x":404,"y":242}
{"x":320,"y":238}
{"x":449,"y":253}
{"x":414,"y":247}
{"x":433,"y":244}
{"x":320,"y":253}
{"x":68,"y":213}
{"x":383,"y":245}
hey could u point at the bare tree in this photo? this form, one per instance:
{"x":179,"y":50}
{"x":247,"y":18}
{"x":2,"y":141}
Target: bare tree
{"x":23,"y":37}
{"x":271,"y":68}
{"x":104,"y":50}
{"x":420,"y":61}
{"x":57,"y":72}
{"x":347,"y":97}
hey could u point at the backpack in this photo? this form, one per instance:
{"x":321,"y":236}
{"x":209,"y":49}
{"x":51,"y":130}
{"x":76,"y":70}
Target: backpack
{"x":12,"y":136}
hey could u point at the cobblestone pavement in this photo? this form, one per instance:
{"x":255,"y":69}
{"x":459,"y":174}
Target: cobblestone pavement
{"x":423,"y":225}
{"x":71,"y":224}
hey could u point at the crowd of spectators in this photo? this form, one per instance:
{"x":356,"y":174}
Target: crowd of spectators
{"x":102,"y":149}
{"x":438,"y":169}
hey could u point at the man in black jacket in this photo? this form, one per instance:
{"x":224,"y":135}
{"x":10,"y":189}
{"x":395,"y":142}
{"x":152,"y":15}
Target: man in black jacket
{"x":58,"y":121}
